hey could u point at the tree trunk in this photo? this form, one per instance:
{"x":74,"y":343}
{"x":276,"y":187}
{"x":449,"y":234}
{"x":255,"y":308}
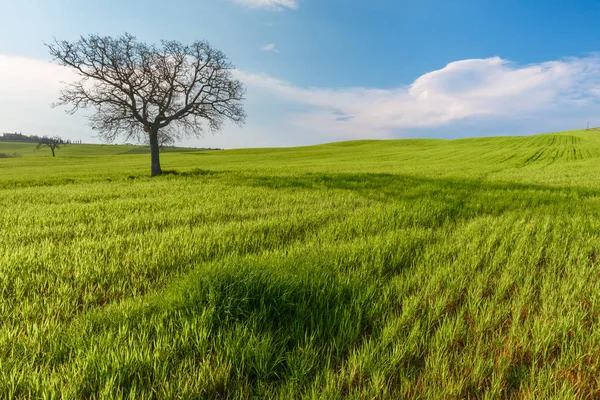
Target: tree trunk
{"x":154,"y":152}
{"x":52,"y":148}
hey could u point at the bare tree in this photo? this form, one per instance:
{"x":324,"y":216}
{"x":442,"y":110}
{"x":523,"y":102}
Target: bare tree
{"x":153,"y":93}
{"x":52,"y":143}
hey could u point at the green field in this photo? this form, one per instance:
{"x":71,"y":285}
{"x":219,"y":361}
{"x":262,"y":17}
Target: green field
{"x":423,"y":269}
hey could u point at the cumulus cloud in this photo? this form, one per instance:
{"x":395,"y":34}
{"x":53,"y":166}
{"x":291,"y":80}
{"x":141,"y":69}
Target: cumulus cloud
{"x":461,"y":90}
{"x":277,"y":5}
{"x":271,"y":47}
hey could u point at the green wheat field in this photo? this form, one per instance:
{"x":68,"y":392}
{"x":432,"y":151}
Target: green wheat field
{"x":401,"y":269}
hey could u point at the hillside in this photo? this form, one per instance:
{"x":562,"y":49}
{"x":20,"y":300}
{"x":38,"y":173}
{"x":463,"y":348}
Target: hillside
{"x":366,"y":269}
{"x":557,"y":158}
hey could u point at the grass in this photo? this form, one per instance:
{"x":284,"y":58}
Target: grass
{"x":369,"y":269}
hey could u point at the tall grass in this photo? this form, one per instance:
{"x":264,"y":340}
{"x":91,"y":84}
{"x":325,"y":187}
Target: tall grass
{"x":400,"y":269}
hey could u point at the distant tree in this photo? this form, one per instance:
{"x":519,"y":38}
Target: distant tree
{"x":153,"y":93}
{"x":52,"y":143}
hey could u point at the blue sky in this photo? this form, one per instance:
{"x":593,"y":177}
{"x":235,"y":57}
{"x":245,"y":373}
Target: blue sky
{"x":328,"y":70}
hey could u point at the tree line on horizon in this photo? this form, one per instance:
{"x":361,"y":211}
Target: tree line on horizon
{"x":19,"y":137}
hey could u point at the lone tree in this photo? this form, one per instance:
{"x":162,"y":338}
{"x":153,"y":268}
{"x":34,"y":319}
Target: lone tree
{"x":148,"y":92}
{"x":52,"y":143}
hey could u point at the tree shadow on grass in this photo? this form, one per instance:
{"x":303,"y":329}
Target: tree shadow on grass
{"x":193,"y":173}
{"x":393,"y":184}
{"x":260,"y":323}
{"x":465,"y":197}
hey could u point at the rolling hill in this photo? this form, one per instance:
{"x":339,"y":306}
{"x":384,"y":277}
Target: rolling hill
{"x":365,"y":269}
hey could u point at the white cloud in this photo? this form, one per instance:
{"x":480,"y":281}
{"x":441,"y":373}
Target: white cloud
{"x":271,"y":47}
{"x":29,"y":87}
{"x":464,"y":98}
{"x":269,"y":4}
{"x":476,"y":88}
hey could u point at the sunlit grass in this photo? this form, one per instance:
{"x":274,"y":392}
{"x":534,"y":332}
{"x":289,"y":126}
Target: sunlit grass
{"x":394,"y":269}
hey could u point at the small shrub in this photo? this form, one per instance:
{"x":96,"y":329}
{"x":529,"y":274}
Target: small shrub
{"x":8,"y":155}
